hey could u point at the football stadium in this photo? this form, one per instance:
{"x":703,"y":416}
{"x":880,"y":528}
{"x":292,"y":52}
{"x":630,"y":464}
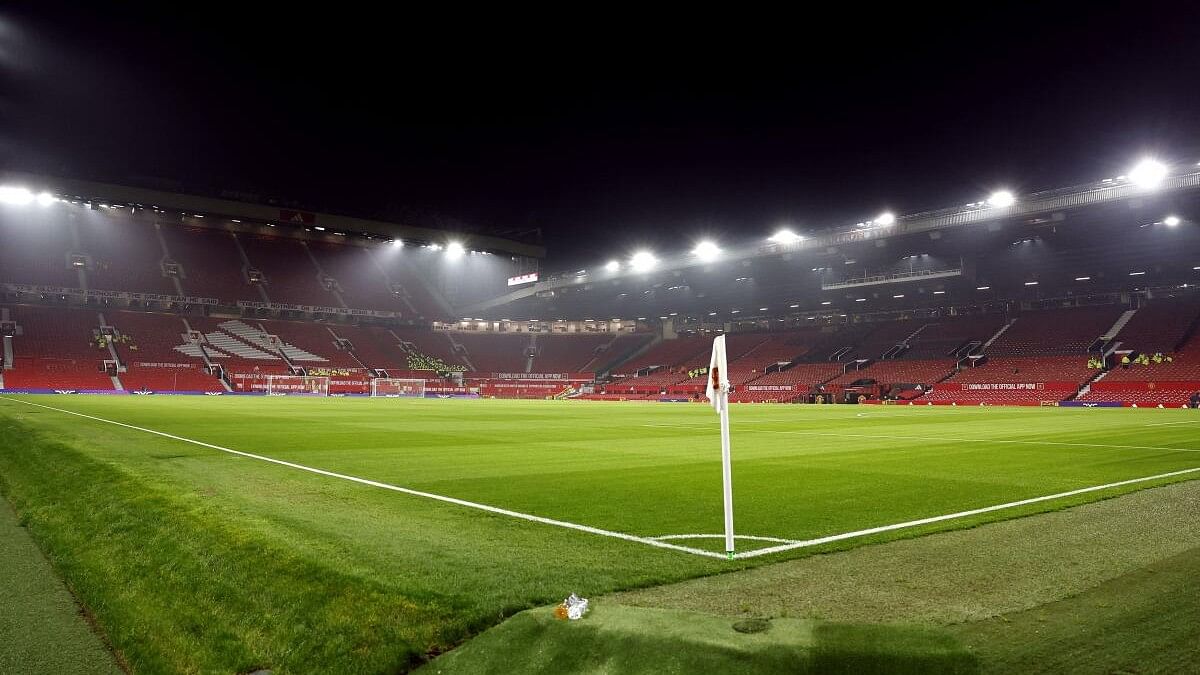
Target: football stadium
{"x":241,"y":434}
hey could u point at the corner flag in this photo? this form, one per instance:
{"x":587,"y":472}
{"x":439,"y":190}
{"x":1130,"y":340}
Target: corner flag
{"x":718,"y":376}
{"x":718,"y":394}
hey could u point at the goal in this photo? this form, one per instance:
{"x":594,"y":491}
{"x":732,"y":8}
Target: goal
{"x":397,"y":388}
{"x":297,"y":385}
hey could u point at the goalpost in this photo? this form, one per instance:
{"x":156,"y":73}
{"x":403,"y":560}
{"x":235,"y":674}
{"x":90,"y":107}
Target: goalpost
{"x":391,"y":387}
{"x":297,"y":385}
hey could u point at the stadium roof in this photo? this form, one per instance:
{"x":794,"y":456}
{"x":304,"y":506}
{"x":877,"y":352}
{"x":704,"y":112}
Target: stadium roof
{"x":261,"y":213}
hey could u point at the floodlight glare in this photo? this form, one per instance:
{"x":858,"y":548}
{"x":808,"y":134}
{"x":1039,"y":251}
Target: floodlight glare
{"x":785,"y":236}
{"x":1148,"y":174}
{"x":1171,"y":221}
{"x":1001,"y":199}
{"x":454,"y":249}
{"x":45,"y":199}
{"x":643,"y":261}
{"x":397,"y":243}
{"x":17,"y":196}
{"x":706,"y":251}
{"x":886,"y":219}
{"x":613,"y":266}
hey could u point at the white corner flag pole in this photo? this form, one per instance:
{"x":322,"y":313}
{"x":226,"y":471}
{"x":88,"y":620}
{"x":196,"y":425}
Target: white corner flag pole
{"x":718,"y":395}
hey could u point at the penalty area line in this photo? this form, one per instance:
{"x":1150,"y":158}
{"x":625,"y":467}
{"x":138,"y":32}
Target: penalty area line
{"x":396,"y":488}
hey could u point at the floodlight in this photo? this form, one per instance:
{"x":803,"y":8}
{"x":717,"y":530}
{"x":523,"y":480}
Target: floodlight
{"x":397,"y":243}
{"x":898,"y":295}
{"x":706,"y":251}
{"x":785,"y":236}
{"x":1171,"y":221}
{"x":17,"y":196}
{"x":45,"y":199}
{"x":1083,"y":278}
{"x":1031,"y":283}
{"x":613,"y":266}
{"x":1001,"y":199}
{"x":454,"y":249}
{"x":827,"y":302}
{"x":886,"y":219}
{"x":983,"y":288}
{"x":939,"y":292}
{"x":643,"y":261}
{"x":860,"y":300}
{"x":1148,"y":174}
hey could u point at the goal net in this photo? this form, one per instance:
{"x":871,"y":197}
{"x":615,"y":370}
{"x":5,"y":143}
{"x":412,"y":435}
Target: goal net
{"x":397,"y":388}
{"x":297,"y":385}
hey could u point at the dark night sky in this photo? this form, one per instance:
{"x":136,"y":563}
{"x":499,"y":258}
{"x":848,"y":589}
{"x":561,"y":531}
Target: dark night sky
{"x":606,"y":132}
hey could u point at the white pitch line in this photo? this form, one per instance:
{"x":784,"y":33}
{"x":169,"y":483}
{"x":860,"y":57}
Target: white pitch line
{"x":1163,"y":424}
{"x":952,"y":516}
{"x":933,"y":438}
{"x":387,"y":486}
{"x":747,"y":537}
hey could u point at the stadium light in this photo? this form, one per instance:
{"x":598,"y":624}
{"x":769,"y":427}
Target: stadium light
{"x":1148,"y":174}
{"x":898,"y":295}
{"x":17,"y":196}
{"x":886,"y":219}
{"x":45,"y":199}
{"x":1136,"y":274}
{"x":1031,"y":283}
{"x":827,"y":302}
{"x":643,"y":261}
{"x":706,"y":251}
{"x":983,"y":288}
{"x":397,"y":243}
{"x":1001,"y":199}
{"x":454,"y":249}
{"x":1171,"y":221}
{"x":785,"y":236}
{"x":613,"y":266}
{"x":1083,"y":278}
{"x":939,"y":292}
{"x":861,"y":300}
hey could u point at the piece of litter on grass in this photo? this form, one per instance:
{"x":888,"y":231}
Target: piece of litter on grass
{"x":573,"y":608}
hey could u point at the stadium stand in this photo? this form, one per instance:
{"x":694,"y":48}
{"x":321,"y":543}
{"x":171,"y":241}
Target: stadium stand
{"x":943,"y":336}
{"x":568,"y":353}
{"x":669,"y":353}
{"x":212,"y":267}
{"x":1028,"y":369}
{"x":897,"y":371}
{"x":125,"y":256}
{"x":291,"y":275}
{"x":148,"y":348}
{"x":886,"y":336}
{"x":436,"y":347}
{"x":363,"y":284}
{"x":499,"y":353}
{"x":1160,"y":326}
{"x":1055,"y":331}
{"x":37,"y":255}
{"x":408,"y":279}
{"x":375,"y":347}
{"x":307,"y":338}
{"x":57,"y":349}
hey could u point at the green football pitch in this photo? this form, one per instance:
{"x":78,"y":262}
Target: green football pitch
{"x":218,"y":533}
